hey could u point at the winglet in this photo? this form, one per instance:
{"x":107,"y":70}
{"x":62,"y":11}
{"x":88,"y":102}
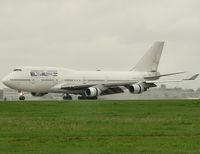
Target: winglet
{"x":193,"y":77}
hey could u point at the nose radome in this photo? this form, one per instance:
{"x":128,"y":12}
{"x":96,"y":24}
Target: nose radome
{"x":5,"y":80}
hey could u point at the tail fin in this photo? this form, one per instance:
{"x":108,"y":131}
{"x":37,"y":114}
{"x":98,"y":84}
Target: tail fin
{"x":150,"y":61}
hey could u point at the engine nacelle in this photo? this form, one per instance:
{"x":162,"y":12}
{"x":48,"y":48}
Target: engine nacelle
{"x":137,"y":89}
{"x":38,"y":94}
{"x":92,"y":92}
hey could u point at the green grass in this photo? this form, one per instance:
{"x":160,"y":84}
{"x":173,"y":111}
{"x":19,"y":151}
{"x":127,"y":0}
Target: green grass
{"x":100,"y":127}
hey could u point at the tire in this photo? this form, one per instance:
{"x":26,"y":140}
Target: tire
{"x":22,"y":98}
{"x":81,"y":98}
{"x":87,"y":98}
{"x":67,"y":98}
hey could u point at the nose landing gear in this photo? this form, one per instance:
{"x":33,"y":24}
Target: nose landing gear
{"x":21,"y":96}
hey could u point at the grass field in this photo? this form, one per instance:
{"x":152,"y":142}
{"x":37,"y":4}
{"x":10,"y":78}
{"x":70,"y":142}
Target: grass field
{"x":100,"y":127}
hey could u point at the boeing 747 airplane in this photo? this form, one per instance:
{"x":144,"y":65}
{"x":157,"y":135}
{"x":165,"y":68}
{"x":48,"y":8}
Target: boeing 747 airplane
{"x":40,"y":81}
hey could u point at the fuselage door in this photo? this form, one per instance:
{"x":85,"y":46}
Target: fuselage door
{"x":32,"y":81}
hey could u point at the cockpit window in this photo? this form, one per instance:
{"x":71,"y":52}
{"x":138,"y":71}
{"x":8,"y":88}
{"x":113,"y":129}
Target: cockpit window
{"x":17,"y":69}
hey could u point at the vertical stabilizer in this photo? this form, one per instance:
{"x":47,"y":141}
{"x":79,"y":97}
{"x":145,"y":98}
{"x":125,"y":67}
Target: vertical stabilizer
{"x":150,"y":61}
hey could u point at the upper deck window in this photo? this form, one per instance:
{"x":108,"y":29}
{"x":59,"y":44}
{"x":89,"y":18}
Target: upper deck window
{"x":17,"y":69}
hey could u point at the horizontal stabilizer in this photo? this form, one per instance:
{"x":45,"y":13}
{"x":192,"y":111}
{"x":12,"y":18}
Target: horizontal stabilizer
{"x":193,"y":77}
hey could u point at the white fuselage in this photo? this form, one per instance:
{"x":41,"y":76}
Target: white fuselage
{"x":50,"y":79}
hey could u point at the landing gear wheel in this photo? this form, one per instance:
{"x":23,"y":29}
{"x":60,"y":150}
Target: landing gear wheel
{"x":87,"y":98}
{"x":22,"y":98}
{"x":67,"y":97}
{"x":81,"y":98}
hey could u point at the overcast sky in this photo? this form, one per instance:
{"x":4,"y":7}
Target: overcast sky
{"x":99,"y":34}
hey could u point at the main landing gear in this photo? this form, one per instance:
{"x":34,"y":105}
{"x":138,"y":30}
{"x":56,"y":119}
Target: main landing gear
{"x":87,"y":98}
{"x":67,"y":97}
{"x":21,"y":96}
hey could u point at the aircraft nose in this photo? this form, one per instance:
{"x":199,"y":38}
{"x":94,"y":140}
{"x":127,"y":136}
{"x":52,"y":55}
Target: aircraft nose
{"x":5,"y":80}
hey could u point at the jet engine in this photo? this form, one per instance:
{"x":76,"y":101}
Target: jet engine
{"x":137,"y":88}
{"x":92,"y":92}
{"x":38,"y":94}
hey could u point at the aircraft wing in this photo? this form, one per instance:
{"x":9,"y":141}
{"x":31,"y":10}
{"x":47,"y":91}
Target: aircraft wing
{"x":76,"y":87}
{"x":119,"y":87}
{"x":168,"y":81}
{"x":101,"y":86}
{"x":106,"y":89}
{"x":85,"y":86}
